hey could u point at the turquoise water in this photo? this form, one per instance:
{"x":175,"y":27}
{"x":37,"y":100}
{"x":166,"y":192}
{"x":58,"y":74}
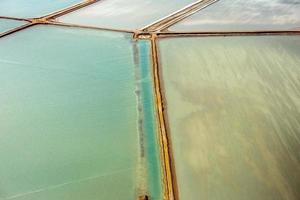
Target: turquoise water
{"x":235,"y":15}
{"x":7,"y":24}
{"x":150,"y":122}
{"x":69,"y":116}
{"x":32,"y":8}
{"x":131,"y":14}
{"x":233,"y":105}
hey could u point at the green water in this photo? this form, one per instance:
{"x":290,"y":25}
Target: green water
{"x":233,"y":105}
{"x":32,"y":8}
{"x":69,"y":116}
{"x":131,"y":14}
{"x":237,"y":15}
{"x":7,"y":24}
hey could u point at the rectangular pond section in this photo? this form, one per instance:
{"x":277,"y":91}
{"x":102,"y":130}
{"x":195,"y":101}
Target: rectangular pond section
{"x":237,"y":15}
{"x":77,"y":119}
{"x":119,"y":14}
{"x":32,"y":8}
{"x":233,"y":106}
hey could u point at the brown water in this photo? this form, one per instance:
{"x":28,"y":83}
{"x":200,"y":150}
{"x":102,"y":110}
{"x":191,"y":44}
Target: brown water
{"x":234,"y":113}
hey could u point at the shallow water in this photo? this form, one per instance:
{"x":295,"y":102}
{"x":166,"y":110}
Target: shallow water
{"x":147,"y":121}
{"x":32,"y":8}
{"x":130,"y":14}
{"x":236,"y":15}
{"x":233,"y":105}
{"x":69,"y":116}
{"x":7,"y":24}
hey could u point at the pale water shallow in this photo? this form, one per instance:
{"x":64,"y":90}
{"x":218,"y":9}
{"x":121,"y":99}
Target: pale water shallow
{"x":233,"y":105}
{"x":8,"y":24}
{"x":237,"y":15}
{"x":130,"y":14}
{"x":32,"y":8}
{"x":69,"y":117}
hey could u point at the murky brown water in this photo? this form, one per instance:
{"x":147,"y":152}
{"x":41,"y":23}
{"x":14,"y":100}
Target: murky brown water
{"x":234,"y":111}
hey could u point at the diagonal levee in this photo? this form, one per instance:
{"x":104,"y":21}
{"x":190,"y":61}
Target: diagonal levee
{"x":177,"y":16}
